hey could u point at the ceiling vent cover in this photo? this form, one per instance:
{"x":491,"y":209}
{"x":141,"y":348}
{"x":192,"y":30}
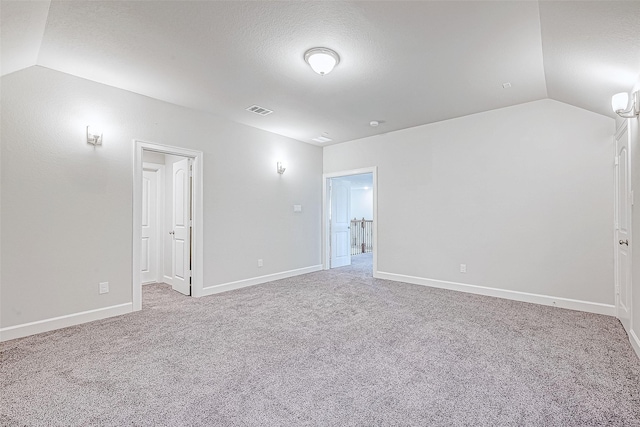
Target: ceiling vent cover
{"x":261,"y":111}
{"x":321,"y":139}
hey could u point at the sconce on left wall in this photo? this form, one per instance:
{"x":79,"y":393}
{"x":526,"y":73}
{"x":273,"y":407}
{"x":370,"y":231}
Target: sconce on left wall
{"x":281,"y":168}
{"x":94,"y":135}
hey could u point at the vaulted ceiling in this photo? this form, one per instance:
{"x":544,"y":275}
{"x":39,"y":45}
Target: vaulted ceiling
{"x":402,"y":63}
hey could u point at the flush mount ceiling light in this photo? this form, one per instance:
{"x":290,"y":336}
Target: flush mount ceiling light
{"x":619,"y":103}
{"x":321,"y":59}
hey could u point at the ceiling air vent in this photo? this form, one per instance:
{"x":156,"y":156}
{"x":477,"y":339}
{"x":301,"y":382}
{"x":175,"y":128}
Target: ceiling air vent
{"x":261,"y":111}
{"x":321,"y":139}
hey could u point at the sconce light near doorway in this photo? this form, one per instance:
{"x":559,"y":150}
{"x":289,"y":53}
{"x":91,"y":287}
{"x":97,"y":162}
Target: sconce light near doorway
{"x":619,"y":103}
{"x":94,"y":135}
{"x":281,"y":168}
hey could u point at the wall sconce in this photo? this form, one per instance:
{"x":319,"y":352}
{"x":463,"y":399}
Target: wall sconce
{"x":94,"y":135}
{"x":281,"y":168}
{"x":619,"y":103}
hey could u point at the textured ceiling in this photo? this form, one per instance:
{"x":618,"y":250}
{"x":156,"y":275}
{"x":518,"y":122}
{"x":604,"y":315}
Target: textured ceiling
{"x":402,"y":63}
{"x":21,"y":28}
{"x":591,"y":51}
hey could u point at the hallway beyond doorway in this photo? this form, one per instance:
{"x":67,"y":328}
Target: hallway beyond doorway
{"x":361,"y":266}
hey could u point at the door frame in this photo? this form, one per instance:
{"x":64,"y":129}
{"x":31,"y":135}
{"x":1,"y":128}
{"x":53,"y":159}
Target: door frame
{"x":160,"y":206}
{"x":197,"y":258}
{"x":624,"y":126}
{"x":326,"y":197}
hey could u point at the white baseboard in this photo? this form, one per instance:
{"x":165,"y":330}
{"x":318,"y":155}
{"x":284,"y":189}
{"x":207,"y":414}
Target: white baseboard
{"x":46,"y":325}
{"x":635,"y":342}
{"x":224,"y":287}
{"x":572,"y":304}
{"x":167,"y":279}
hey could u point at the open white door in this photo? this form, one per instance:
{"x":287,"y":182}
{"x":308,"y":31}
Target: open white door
{"x":149,"y":255}
{"x":623,"y":228}
{"x":181,"y":234}
{"x":340,"y":223}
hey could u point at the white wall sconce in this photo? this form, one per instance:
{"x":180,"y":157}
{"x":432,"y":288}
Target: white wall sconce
{"x":94,"y":135}
{"x":619,"y":103}
{"x":321,"y":59}
{"x":281,"y":168}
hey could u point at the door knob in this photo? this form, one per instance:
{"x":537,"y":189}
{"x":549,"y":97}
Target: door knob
{"x":624,"y":242}
{"x":173,"y":232}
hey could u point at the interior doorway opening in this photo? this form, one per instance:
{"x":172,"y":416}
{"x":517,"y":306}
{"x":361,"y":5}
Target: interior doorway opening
{"x":349,"y":219}
{"x":167,"y":219}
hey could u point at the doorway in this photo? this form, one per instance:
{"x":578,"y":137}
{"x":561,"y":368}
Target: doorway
{"x":349,"y":225}
{"x":176,"y":255}
{"x":166,"y":227}
{"x":153,"y":185}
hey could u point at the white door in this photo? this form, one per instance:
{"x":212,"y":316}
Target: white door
{"x":340,"y":223}
{"x":149,"y":256}
{"x":181,"y":230}
{"x":623,"y":228}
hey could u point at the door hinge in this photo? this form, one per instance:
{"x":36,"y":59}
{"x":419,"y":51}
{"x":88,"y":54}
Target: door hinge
{"x":616,"y":160}
{"x":632,"y":197}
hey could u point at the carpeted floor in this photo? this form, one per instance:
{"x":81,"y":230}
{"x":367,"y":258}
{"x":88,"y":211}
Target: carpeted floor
{"x":333,"y":348}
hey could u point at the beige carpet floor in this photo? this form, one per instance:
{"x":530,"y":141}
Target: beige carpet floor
{"x":332,"y":348}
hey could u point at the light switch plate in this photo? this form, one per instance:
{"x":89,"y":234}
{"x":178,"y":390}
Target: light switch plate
{"x":104,"y":287}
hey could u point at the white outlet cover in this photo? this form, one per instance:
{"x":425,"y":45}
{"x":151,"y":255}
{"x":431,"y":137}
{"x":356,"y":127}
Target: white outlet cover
{"x":463,"y":268}
{"x":260,"y":263}
{"x":297,"y":208}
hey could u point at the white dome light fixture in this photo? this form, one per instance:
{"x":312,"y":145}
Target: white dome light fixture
{"x":321,"y":59}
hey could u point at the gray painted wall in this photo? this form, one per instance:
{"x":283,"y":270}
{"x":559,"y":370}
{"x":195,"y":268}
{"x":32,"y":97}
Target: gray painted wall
{"x":67,"y":206}
{"x":522,"y":195}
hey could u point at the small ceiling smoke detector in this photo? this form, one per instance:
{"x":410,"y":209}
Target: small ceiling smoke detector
{"x":321,"y":139}
{"x":506,"y":85}
{"x":261,"y":111}
{"x":321,"y":59}
{"x":374,"y":123}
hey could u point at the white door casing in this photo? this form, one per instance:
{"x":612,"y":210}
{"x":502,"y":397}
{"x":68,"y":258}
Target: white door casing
{"x":623,"y":227}
{"x":149,"y":255}
{"x":180,"y":232}
{"x":340,"y":223}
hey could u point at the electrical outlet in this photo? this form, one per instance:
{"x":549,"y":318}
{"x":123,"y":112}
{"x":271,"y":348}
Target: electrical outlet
{"x":260,"y":264}
{"x":104,"y":287}
{"x":463,"y":268}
